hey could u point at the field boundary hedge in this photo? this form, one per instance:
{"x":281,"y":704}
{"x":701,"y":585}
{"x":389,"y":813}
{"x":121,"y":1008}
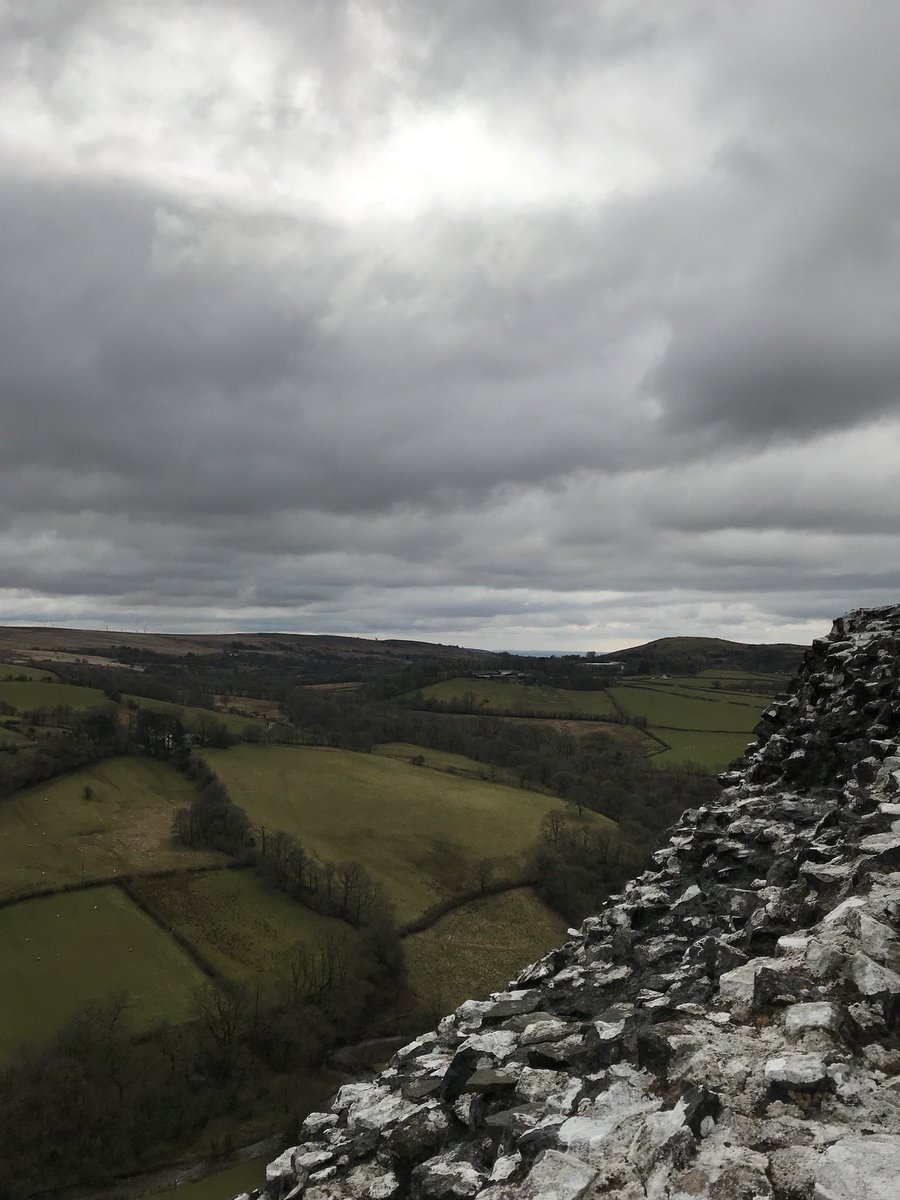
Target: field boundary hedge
{"x":686,"y":693}
{"x":86,"y":885}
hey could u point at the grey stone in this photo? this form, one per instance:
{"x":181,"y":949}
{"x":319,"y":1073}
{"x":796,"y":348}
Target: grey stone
{"x":512,"y":1004}
{"x":800,"y":1019}
{"x":860,"y":1168}
{"x":557,"y":1176}
{"x":797,"y":1070}
{"x":872,"y":979}
{"x":443,"y":1178}
{"x":490,"y":1079}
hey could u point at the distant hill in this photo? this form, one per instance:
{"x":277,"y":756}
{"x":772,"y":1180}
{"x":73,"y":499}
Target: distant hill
{"x":49,"y":644}
{"x":688,"y":655}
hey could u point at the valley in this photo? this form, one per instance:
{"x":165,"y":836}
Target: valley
{"x":261,"y":850}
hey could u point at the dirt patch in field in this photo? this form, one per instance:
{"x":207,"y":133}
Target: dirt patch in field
{"x":66,"y":656}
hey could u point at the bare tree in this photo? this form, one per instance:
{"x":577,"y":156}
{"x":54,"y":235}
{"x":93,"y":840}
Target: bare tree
{"x":222,"y":1010}
{"x":551,"y":825}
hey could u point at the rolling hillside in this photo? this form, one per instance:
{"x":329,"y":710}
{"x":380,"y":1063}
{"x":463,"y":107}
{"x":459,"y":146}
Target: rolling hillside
{"x":419,"y":832}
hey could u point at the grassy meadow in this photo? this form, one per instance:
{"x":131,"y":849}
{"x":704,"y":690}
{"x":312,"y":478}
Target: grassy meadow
{"x":519,"y":698}
{"x":60,"y":952}
{"x":10,"y":672}
{"x":443,"y":760}
{"x":666,"y":710}
{"x":712,"y":751}
{"x":419,"y":833}
{"x":230,"y":1181}
{"x":479,"y":947}
{"x":234,"y":921}
{"x":705,"y":719}
{"x":34,"y":694}
{"x":52,"y":834}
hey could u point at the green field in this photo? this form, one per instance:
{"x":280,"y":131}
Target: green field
{"x":24,"y":696}
{"x":418,"y":832}
{"x":51,"y":834}
{"x":755,"y":701}
{"x":233,"y":722}
{"x":230,"y":1181}
{"x":712,"y":751}
{"x":479,"y":947}
{"x":756,"y":677}
{"x":60,"y":952}
{"x":236,"y":923}
{"x":444,"y":760}
{"x":13,"y":671}
{"x":679,"y":710}
{"x":519,"y":698}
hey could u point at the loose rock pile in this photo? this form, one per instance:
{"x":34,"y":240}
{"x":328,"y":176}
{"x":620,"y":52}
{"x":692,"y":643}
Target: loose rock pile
{"x":728,"y":1028}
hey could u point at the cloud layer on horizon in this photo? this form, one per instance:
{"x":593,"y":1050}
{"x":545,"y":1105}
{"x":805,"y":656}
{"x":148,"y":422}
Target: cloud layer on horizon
{"x":519,"y":325}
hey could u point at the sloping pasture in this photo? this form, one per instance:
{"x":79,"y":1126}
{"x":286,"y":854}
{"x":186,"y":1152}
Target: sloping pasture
{"x":518,"y":698}
{"x":664,"y":710}
{"x":34,"y":694}
{"x":419,"y":833}
{"x":111,"y":818}
{"x":479,"y":947}
{"x":58,"y":953}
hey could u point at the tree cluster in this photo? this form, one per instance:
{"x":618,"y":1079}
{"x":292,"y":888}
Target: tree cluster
{"x":102,"y":1100}
{"x":77,"y":738}
{"x":212,"y":821}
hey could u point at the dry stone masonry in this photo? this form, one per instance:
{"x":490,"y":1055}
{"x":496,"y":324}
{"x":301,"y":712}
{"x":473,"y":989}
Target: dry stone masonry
{"x":728,"y":1028}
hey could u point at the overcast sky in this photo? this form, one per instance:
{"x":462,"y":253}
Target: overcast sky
{"x":551,"y":324}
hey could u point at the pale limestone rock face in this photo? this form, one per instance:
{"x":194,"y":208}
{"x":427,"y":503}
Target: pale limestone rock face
{"x":817,"y":1016}
{"x":797,"y":1070}
{"x":725,"y":1029}
{"x":857,"y":1167}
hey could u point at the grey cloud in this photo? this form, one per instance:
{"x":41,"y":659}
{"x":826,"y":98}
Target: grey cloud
{"x":258,"y":407}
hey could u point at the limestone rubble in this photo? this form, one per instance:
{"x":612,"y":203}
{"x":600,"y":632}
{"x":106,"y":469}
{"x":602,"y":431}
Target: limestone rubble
{"x":728,"y":1028}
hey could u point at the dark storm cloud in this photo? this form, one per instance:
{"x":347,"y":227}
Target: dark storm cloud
{"x":282,"y":344}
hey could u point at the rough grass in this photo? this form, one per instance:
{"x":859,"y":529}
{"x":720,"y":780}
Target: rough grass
{"x":419,"y":833}
{"x":57,"y":953}
{"x":250,"y":706}
{"x":233,"y":722}
{"x":236,"y":923}
{"x":712,"y":751}
{"x":678,"y":710}
{"x":24,"y":696}
{"x":51,"y":835}
{"x":231,"y":1181}
{"x":520,"y":698}
{"x":478,"y":948}
{"x":444,"y":760}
